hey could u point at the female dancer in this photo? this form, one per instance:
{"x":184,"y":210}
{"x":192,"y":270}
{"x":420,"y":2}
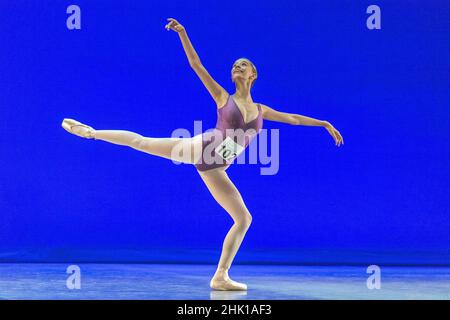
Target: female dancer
{"x":234,"y":112}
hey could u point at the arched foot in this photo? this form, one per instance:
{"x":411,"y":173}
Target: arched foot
{"x":227,"y":284}
{"x":79,"y":129}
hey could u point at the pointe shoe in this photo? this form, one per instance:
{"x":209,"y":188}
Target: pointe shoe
{"x":227,"y":285}
{"x":77,"y":128}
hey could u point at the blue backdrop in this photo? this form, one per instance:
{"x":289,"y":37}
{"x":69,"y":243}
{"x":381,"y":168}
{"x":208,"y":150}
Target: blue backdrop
{"x":382,"y":197}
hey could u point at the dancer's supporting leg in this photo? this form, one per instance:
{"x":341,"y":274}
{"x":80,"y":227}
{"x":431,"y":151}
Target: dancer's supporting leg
{"x":228,"y":196}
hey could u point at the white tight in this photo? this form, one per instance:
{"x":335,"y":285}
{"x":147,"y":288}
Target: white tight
{"x":229,"y":197}
{"x":217,"y":181}
{"x":186,"y":150}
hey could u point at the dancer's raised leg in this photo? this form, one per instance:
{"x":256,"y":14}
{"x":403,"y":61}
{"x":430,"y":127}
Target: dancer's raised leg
{"x":228,"y":196}
{"x":179,"y":149}
{"x":186,"y":150}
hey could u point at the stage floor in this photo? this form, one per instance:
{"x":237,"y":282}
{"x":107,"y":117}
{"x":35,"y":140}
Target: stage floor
{"x":174,"y":281}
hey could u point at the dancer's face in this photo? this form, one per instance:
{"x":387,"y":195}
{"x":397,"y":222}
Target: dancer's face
{"x":243,"y":68}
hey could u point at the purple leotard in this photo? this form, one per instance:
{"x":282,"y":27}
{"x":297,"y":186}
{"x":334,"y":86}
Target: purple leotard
{"x":229,"y":118}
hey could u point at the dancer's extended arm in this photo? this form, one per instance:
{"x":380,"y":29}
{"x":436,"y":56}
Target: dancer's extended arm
{"x":218,"y":93}
{"x":297,"y":119}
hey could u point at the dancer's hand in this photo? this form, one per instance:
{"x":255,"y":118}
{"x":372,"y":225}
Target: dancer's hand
{"x":174,"y":25}
{"x":334,"y":133}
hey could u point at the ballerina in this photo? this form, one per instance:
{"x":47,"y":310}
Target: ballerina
{"x":237,"y":111}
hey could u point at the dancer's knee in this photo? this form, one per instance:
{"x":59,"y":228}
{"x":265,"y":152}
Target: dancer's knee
{"x":137,"y":143}
{"x":248,"y":220}
{"x":245,"y":221}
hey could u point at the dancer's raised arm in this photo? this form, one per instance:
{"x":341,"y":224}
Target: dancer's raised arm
{"x":297,"y":119}
{"x":218,"y":93}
